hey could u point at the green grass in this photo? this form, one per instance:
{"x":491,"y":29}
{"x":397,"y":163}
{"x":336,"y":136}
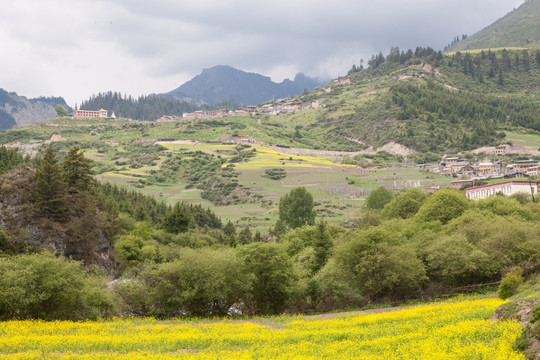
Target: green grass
{"x":523,"y":139}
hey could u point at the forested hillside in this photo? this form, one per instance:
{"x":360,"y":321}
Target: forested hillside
{"x":147,"y":108}
{"x":429,"y":101}
{"x":520,"y":27}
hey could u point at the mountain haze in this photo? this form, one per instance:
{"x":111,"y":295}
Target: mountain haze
{"x":18,"y":110}
{"x":224,"y":83}
{"x":520,"y":27}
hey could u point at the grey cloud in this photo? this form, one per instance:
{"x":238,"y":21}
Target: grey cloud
{"x":175,"y":39}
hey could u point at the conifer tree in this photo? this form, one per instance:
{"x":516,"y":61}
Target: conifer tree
{"x":178,"y":220}
{"x":50,"y":189}
{"x":245,"y":236}
{"x":78,"y":173}
{"x":322,"y":244}
{"x":229,"y":229}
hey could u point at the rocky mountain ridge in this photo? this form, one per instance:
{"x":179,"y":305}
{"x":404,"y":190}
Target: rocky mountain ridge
{"x":224,"y":83}
{"x":19,"y":110}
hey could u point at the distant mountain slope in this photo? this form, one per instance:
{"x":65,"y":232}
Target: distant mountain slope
{"x":225,"y":83}
{"x":18,"y":110}
{"x":521,"y":27}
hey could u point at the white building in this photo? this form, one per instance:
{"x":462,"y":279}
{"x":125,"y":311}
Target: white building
{"x":506,"y":188}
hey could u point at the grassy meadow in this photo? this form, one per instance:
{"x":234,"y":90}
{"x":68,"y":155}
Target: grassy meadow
{"x":457,"y":329}
{"x":127,"y":153}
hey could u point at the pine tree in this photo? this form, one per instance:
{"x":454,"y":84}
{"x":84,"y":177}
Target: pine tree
{"x":78,"y":173}
{"x":50,"y":189}
{"x":257,"y":237}
{"x":229,"y":229}
{"x":178,"y":220}
{"x":245,"y":236}
{"x":322,"y":244}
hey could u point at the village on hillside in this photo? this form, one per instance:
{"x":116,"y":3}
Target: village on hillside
{"x":281,"y":106}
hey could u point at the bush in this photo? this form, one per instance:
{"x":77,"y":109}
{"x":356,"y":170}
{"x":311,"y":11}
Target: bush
{"x":45,"y":287}
{"x":535,"y":314}
{"x":378,"y":198}
{"x":379,"y":264}
{"x":275,"y":174}
{"x":272,"y":278}
{"x":446,"y":204}
{"x":405,"y":205}
{"x":510,"y":284}
{"x":201,"y":282}
{"x":453,"y":261}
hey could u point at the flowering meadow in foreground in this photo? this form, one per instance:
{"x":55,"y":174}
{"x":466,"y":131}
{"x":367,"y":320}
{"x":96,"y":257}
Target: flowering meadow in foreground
{"x":450,"y":330}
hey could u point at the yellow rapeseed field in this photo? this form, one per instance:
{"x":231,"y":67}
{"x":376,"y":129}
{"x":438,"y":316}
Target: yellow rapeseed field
{"x":266,"y":157}
{"x":451,"y":330}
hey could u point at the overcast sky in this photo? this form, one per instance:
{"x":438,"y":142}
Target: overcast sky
{"x":75,"y":48}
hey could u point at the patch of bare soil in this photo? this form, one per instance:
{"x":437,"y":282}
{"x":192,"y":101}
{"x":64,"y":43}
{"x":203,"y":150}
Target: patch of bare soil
{"x":510,"y":149}
{"x":391,"y":147}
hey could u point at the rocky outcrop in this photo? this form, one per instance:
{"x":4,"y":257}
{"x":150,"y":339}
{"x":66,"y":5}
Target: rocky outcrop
{"x":521,"y":310}
{"x":18,"y":110}
{"x":82,"y":237}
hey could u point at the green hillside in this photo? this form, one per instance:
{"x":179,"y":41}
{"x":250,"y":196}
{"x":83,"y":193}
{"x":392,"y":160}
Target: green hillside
{"x":519,"y":28}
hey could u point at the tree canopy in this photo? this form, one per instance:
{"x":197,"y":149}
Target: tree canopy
{"x":296,"y":208}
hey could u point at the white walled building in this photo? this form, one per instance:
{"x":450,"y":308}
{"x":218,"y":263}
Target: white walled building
{"x":507,"y":188}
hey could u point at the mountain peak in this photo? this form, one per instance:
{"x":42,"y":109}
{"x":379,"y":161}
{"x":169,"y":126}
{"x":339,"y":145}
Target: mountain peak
{"x":226,"y":83}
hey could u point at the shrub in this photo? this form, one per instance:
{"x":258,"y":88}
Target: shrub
{"x":379,"y":264}
{"x":405,"y":205}
{"x":45,"y":287}
{"x":454,"y":261}
{"x":378,"y":198}
{"x":446,"y":204}
{"x":201,"y":282}
{"x":510,"y":284}
{"x":272,"y":277}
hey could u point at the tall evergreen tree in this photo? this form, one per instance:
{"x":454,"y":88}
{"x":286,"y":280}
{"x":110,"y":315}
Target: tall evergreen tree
{"x":78,"y":173}
{"x":322,"y":244}
{"x":178,"y":220}
{"x":245,"y":236}
{"x":50,"y":189}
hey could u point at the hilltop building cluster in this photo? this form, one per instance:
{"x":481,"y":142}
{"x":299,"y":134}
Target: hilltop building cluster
{"x":274,"y":108}
{"x":456,"y":166}
{"x":85,"y":114}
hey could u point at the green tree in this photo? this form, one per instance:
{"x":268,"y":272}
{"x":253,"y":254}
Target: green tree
{"x":229,"y":229}
{"x":453,"y":261}
{"x":378,"y":198}
{"x":231,"y":241}
{"x":178,"y":220}
{"x":245,"y":236}
{"x":49,"y":193}
{"x":46,"y":287}
{"x":5,"y":244}
{"x":272,"y":277}
{"x":77,"y":170}
{"x":60,"y":110}
{"x":322,"y":244}
{"x":201,"y":282}
{"x":257,"y":237}
{"x":446,"y":204}
{"x":296,"y":208}
{"x":278,"y":230}
{"x":405,"y":205}
{"x":378,"y":264}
